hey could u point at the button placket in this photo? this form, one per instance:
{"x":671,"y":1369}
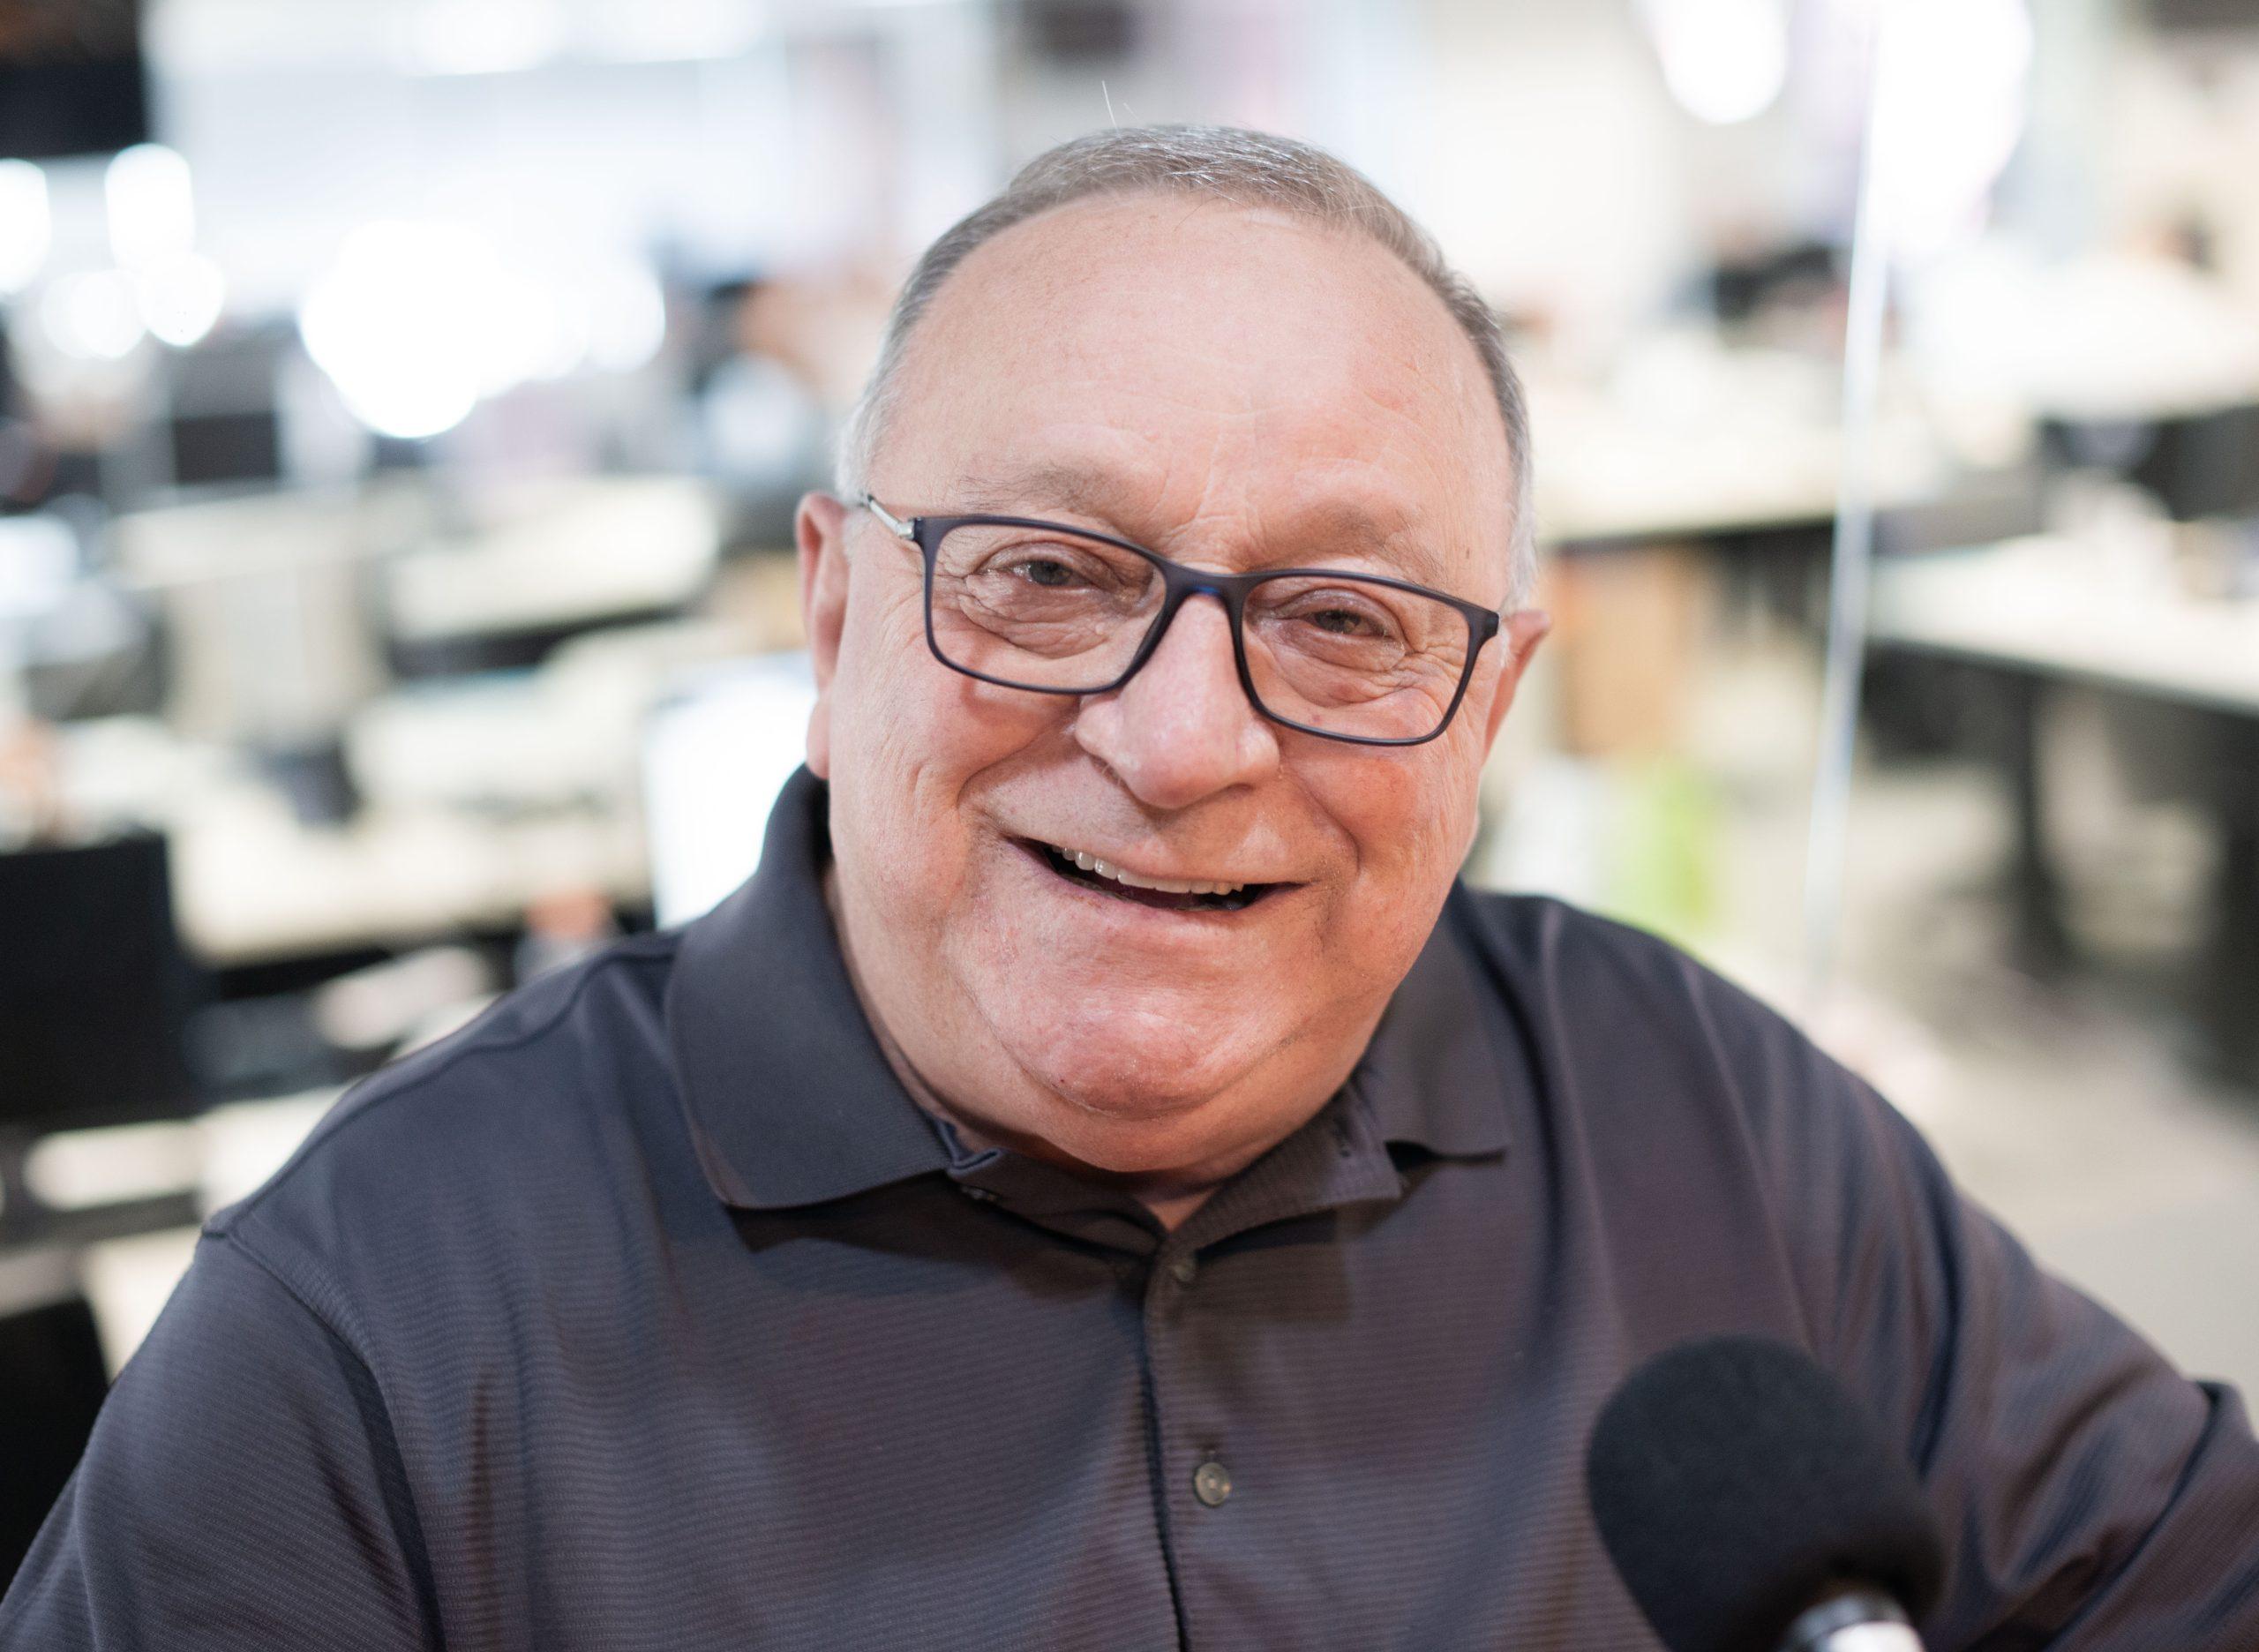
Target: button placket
{"x":1211,"y":1477}
{"x":1193,"y":1453}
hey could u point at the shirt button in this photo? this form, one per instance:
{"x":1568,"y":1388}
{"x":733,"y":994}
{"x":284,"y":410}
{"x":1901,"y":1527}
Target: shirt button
{"x":980,"y":1195}
{"x":1184,"y":1269}
{"x":1212,"y":1482}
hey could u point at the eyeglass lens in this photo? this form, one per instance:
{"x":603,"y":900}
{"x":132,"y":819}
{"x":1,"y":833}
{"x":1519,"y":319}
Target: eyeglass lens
{"x":1036,"y":608}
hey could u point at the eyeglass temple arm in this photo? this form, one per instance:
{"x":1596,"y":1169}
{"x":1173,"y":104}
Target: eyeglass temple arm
{"x":894,"y":525}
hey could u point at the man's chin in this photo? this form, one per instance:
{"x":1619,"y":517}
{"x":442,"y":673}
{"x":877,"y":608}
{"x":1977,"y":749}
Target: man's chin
{"x":1153,"y":1069}
{"x":1130,"y":1094}
{"x":1134,"y":1135}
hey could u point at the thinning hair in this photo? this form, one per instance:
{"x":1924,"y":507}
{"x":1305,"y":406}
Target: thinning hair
{"x":1226,"y":163}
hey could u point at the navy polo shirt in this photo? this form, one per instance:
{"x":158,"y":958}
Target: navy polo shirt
{"x":649,"y":1312}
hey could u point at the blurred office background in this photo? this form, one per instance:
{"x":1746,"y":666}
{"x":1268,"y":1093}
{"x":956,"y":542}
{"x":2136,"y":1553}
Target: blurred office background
{"x":403,"y":402}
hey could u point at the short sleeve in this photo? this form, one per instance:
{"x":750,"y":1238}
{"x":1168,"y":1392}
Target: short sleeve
{"x":241,"y":1490}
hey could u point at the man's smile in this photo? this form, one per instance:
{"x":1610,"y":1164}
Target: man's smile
{"x":1092,"y":872}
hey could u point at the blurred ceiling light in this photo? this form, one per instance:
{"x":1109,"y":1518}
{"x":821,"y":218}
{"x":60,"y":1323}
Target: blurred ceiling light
{"x":628,"y":321}
{"x":1725,"y":61}
{"x":152,"y":205}
{"x":684,"y":31}
{"x":528,"y":336}
{"x":398,"y":325}
{"x":25,"y":226}
{"x":181,"y":298}
{"x":416,"y":322}
{"x":465,"y":37}
{"x":92,"y":316}
{"x":1950,"y":85}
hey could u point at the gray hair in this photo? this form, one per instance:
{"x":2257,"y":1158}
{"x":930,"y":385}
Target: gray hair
{"x":1246,"y":167}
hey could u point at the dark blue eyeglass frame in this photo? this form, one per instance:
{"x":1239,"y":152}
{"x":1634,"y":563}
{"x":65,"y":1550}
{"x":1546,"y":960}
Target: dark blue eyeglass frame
{"x":1179,"y":583}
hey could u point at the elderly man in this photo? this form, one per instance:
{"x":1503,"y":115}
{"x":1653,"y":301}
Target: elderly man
{"x":1103,"y":1185}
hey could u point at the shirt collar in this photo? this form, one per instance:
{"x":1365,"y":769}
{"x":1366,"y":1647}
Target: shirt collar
{"x":790,"y":1099}
{"x":1437,"y":1072}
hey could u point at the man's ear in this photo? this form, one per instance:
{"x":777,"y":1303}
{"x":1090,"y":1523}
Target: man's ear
{"x":820,"y":530}
{"x":1521,"y":635}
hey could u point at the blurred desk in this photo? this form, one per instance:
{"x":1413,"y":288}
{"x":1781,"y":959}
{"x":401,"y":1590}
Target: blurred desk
{"x":1667,"y":529}
{"x":558,"y":560}
{"x":281,"y":604}
{"x":2041,"y":605}
{"x":2042,"y":611}
{"x":254,"y":885}
{"x":482,"y":794}
{"x":1603,"y":478}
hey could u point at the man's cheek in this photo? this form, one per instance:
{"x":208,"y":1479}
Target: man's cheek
{"x":1411,"y":831}
{"x":1389,"y":813}
{"x":886,"y":733}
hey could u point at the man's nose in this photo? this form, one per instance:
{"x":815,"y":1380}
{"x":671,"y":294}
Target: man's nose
{"x":1182,"y":728}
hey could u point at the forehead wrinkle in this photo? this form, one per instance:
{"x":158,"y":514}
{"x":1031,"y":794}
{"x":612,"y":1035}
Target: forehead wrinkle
{"x":1032,"y":487}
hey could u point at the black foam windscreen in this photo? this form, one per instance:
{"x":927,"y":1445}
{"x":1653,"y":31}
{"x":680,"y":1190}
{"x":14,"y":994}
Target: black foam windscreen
{"x":1735,"y":1484}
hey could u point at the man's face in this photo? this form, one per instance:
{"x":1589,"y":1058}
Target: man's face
{"x":1234,"y":389}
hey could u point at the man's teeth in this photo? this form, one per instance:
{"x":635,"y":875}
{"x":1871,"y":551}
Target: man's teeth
{"x":1167,"y":886}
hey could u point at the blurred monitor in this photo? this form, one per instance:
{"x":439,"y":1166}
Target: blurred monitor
{"x":224,"y":424}
{"x":2210,"y":17}
{"x":213,"y":449}
{"x":95,"y":988}
{"x":1079,"y":32}
{"x":715,"y":756}
{"x":2205,"y":468}
{"x":52,"y":1380}
{"x":2202,"y":467}
{"x":72,"y":81}
{"x":1743,"y":285}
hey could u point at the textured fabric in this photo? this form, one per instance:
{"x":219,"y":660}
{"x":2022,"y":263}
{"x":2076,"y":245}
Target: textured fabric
{"x":648,"y":1312}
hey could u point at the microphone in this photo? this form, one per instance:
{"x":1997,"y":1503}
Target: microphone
{"x":1750,"y":1503}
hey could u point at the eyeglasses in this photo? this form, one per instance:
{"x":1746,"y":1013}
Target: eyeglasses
{"x":1051,"y":608}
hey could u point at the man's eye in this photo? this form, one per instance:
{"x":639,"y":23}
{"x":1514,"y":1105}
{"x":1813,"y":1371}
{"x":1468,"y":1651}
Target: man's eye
{"x":1346,"y":619}
{"x":1048,"y":572}
{"x":1343,"y":622}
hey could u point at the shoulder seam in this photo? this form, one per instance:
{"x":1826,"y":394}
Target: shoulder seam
{"x":251,"y":1254}
{"x":415,"y":1547}
{"x":473,"y":1043}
